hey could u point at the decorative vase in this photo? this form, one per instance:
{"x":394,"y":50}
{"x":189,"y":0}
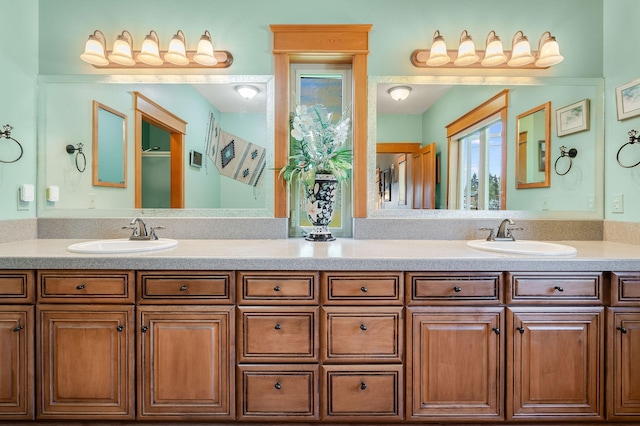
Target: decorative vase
{"x":321,"y":200}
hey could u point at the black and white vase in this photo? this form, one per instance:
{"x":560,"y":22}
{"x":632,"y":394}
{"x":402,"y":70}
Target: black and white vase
{"x":321,"y":200}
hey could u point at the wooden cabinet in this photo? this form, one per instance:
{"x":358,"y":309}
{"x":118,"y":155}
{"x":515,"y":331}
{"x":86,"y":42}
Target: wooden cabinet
{"x":17,"y":295}
{"x":184,"y":363}
{"x":85,"y":362}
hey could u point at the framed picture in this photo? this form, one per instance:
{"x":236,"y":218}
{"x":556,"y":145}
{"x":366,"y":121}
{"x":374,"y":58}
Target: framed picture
{"x":542,"y":155}
{"x":628,"y":100}
{"x":573,"y":118}
{"x":195,"y":158}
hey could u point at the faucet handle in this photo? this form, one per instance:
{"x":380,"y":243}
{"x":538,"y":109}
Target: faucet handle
{"x":512,"y":228}
{"x":491,"y":236}
{"x":134,"y":230}
{"x":152,"y":232}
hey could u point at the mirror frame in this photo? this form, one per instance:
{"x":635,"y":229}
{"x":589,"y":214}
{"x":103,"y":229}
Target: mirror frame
{"x":98,"y":133}
{"x":546,"y":107}
{"x":598,"y":126}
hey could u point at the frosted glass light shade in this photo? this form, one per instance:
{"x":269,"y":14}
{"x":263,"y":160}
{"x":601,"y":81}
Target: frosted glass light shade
{"x":121,"y":53}
{"x":548,"y":51}
{"x":150,"y":51}
{"x":438,"y":55}
{"x":177,"y":53}
{"x":399,"y":93}
{"x":493,"y":53}
{"x":466,"y":51}
{"x":94,"y":50}
{"x":520,"y":51}
{"x":204,"y":55}
{"x":247,"y":92}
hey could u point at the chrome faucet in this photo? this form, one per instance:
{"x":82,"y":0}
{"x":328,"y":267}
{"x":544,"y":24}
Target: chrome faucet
{"x":504,"y":231}
{"x":140,"y":230}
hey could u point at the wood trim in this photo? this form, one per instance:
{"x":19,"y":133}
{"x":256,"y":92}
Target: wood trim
{"x":95,"y":142}
{"x":162,"y":116}
{"x":547,"y":136}
{"x":177,"y":170}
{"x":316,"y":43}
{"x":397,"y":147}
{"x":479,"y":113}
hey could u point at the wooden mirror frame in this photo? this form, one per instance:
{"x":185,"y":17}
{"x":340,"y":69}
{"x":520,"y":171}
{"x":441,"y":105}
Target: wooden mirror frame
{"x":546,"y":107}
{"x":97,"y":135}
{"x":347,"y":44}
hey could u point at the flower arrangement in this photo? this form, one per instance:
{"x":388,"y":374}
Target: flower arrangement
{"x":318,"y":145}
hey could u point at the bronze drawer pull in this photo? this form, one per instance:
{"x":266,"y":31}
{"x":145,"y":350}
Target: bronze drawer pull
{"x":20,"y":327}
{"x":80,"y":287}
{"x":520,"y":329}
{"x":277,"y":386}
{"x":363,"y":385}
{"x":457,"y":289}
{"x":183,"y":288}
{"x":364,"y":289}
{"x":496,"y":330}
{"x":144,"y":328}
{"x":559,"y":288}
{"x":363,"y":327}
{"x":278,"y":327}
{"x":120,"y":328}
{"x":276,"y":288}
{"x":622,"y":329}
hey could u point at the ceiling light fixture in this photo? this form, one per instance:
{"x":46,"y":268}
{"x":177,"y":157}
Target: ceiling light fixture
{"x":150,"y":55}
{"x":247,"y":92}
{"x":399,"y":93}
{"x":520,"y":55}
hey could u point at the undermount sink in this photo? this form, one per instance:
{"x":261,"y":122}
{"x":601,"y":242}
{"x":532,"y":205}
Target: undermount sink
{"x":122,"y":245}
{"x":523,"y":247}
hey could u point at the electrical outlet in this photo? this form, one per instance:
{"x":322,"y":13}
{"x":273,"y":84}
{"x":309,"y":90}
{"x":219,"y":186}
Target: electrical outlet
{"x":22,"y":205}
{"x":545,"y":203}
{"x":591,"y":202}
{"x":617,"y":203}
{"x":92,"y":200}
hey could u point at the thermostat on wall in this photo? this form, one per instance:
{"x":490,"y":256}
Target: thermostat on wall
{"x":195,"y":158}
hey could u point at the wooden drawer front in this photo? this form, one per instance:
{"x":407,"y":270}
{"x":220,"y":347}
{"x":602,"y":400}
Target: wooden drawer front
{"x":83,"y":287}
{"x":625,"y":289}
{"x":17,"y":287}
{"x":280,"y":334}
{"x":358,"y":287}
{"x":438,"y":289}
{"x":362,"y":392}
{"x":275,"y":288}
{"x":195,"y":287}
{"x":362,"y":334}
{"x":578,"y":288}
{"x":278,"y":392}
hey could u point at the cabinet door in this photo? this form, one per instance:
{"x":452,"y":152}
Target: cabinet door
{"x":623,"y":387}
{"x":454,"y":364}
{"x":85,"y":362}
{"x":16,"y":362}
{"x":185,"y":366}
{"x":555,"y":363}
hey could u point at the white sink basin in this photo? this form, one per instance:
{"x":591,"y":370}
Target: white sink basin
{"x":523,"y":247}
{"x":123,"y":245}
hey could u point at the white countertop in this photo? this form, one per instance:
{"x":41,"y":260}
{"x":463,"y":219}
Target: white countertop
{"x":298,"y":254}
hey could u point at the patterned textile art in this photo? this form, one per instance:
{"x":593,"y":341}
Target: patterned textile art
{"x":235,"y":157}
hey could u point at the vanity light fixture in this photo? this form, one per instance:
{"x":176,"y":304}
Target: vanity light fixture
{"x":247,"y":91}
{"x":520,"y":56}
{"x":150,"y":55}
{"x":399,"y":93}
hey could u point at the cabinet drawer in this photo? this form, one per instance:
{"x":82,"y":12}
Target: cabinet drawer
{"x":17,"y":287}
{"x":199,"y":287}
{"x":362,"y":334}
{"x":573,"y":288}
{"x":276,"y":288}
{"x":454,"y":287}
{"x":278,"y":392}
{"x":86,"y":286}
{"x":282,"y":334}
{"x":362,"y":392}
{"x":625,"y":288}
{"x":363,"y":288}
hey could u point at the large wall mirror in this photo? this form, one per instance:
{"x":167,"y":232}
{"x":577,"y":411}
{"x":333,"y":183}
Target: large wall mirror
{"x":210,"y":106}
{"x":436,"y":102}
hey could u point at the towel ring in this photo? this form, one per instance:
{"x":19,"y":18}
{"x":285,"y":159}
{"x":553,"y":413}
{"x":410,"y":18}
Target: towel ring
{"x":6,"y":133}
{"x":634,"y":137}
{"x":570,"y":154}
{"x":71,"y":149}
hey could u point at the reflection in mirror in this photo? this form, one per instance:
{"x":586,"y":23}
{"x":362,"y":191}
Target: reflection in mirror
{"x":65,"y":103}
{"x":533,"y":142}
{"x":436,"y":102}
{"x":109,"y":147}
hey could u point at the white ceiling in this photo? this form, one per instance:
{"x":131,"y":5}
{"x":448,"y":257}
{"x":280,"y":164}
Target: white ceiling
{"x":225,"y":98}
{"x":421,"y":98}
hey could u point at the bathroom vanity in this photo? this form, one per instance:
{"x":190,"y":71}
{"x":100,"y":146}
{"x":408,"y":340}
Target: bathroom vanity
{"x":376,"y":332}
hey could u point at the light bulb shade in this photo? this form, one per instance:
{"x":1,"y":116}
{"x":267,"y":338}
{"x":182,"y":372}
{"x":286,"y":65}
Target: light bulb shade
{"x":247,"y":92}
{"x":204,"y":55}
{"x":177,"y":53}
{"x":399,"y":93}
{"x":520,"y":51}
{"x":121,"y":53}
{"x":150,"y":51}
{"x":94,"y":50}
{"x":466,"y":51}
{"x":438,"y":55}
{"x":493,"y":53}
{"x":548,"y":51}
